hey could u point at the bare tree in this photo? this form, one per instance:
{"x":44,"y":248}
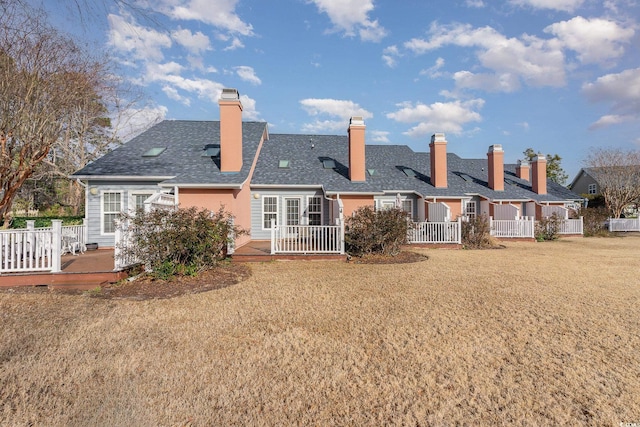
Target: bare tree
{"x":618,"y":175}
{"x":44,"y":78}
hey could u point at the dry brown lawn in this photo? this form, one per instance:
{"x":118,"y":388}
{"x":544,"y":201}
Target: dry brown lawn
{"x":534,"y":334}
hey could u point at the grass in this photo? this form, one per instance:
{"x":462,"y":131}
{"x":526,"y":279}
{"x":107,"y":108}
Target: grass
{"x":535,"y":334}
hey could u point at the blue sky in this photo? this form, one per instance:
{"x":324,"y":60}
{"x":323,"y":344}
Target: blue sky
{"x":560,"y":76}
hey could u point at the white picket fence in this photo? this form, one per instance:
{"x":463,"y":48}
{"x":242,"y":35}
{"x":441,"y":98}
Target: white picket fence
{"x":516,"y":228}
{"x":572,"y":226}
{"x":525,"y":227}
{"x":307,"y":239}
{"x":39,"y":249}
{"x":435,"y":232}
{"x":624,"y":224}
{"x":123,"y":243}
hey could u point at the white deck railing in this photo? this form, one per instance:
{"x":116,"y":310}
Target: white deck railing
{"x":624,"y":224}
{"x":571,"y":226}
{"x":39,"y":249}
{"x":123,"y":244}
{"x":31,"y":249}
{"x":307,"y":239}
{"x":435,"y":232}
{"x":524,"y":227}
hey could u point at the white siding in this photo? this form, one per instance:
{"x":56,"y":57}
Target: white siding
{"x":257,"y":196}
{"x":94,"y":209}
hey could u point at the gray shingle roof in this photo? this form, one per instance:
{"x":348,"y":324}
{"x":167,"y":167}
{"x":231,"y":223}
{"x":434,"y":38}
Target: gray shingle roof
{"x":182,"y":161}
{"x":464,"y":176}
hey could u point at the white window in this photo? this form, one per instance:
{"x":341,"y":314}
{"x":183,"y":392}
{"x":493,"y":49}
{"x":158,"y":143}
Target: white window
{"x":470,"y":210}
{"x":269,"y":211}
{"x":136,"y":201}
{"x":388,"y":204}
{"x":111,"y":208}
{"x":314,"y":210}
{"x":593,"y":188}
{"x":407,"y":206}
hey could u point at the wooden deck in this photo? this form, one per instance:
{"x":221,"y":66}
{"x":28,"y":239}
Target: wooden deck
{"x":84,"y":271}
{"x":260,"y":251}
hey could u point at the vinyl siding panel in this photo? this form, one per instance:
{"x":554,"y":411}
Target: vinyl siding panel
{"x":94,"y":206}
{"x":258,"y":195}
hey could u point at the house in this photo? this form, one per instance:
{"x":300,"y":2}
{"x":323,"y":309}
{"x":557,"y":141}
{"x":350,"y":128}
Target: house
{"x":586,"y":184}
{"x":306,"y":179}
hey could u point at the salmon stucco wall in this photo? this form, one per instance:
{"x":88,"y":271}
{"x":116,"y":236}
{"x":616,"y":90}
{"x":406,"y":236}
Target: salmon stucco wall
{"x":236,"y":202}
{"x":351,"y":203}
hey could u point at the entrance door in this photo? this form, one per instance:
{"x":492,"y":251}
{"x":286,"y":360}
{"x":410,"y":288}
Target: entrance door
{"x":292,"y":215}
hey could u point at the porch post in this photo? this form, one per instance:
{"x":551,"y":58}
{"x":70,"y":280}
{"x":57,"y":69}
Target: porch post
{"x":341,"y":222}
{"x":273,"y":236}
{"x":56,"y":245}
{"x":85,"y":231}
{"x":459,"y":230}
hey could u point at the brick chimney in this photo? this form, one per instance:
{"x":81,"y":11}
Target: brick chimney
{"x":356,"y":149}
{"x":539,"y":174}
{"x":230,"y":131}
{"x":495,"y":157}
{"x":438,"y":155}
{"x":522,"y":170}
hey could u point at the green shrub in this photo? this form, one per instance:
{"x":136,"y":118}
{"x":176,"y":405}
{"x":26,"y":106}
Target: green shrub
{"x":44,"y":221}
{"x":369,"y":231}
{"x":548,"y":228}
{"x":476,"y":233}
{"x":178,"y":242}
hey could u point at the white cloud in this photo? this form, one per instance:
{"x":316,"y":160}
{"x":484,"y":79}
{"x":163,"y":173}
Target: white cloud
{"x":379,"y":136}
{"x":389,"y":55}
{"x":195,"y":43}
{"x":339,"y":110}
{"x":437,"y":117}
{"x":219,"y":13}
{"x":134,"y":121}
{"x":622,"y":91}
{"x":126,"y":36}
{"x":529,"y":59}
{"x":563,"y":5}
{"x":236,"y":43}
{"x":595,"y":40}
{"x":172,"y":93}
{"x":434,"y":71}
{"x":352,"y":17}
{"x":475,"y":3}
{"x":248,"y":74}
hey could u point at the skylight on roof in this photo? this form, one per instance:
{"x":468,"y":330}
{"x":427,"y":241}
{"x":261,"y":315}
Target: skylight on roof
{"x":409,"y":172}
{"x":283,"y":164}
{"x":371,"y":171}
{"x":211,"y":152}
{"x":154,"y":152}
{"x":329,"y":164}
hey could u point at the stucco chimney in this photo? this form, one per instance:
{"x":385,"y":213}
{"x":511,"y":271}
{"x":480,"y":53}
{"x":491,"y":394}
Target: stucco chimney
{"x":495,"y":157}
{"x":539,"y":174}
{"x":522,"y":170}
{"x":230,"y":131}
{"x":356,"y":149}
{"x":438,"y":155}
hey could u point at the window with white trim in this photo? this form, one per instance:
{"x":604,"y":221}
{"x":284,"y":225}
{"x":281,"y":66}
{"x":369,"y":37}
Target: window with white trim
{"x":269,"y":211}
{"x":314,"y":210}
{"x":136,"y":200}
{"x":111,"y":208}
{"x":407,"y":206}
{"x":470,"y":210}
{"x":593,"y":188}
